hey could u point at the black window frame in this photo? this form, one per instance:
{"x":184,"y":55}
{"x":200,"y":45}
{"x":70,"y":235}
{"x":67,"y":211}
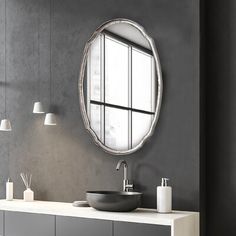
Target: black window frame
{"x":132,"y":45}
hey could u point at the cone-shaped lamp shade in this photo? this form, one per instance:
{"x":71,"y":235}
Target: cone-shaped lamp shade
{"x":50,"y":119}
{"x":38,"y":108}
{"x":5,"y":125}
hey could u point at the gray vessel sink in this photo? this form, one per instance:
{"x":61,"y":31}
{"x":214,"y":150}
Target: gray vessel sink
{"x":114,"y":201}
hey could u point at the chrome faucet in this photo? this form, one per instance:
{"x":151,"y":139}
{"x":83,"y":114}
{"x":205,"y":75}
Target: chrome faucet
{"x":126,"y":185}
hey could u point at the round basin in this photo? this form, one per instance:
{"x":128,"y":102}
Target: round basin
{"x":114,"y":201}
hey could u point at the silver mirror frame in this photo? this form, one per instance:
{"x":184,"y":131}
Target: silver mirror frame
{"x":81,"y":83}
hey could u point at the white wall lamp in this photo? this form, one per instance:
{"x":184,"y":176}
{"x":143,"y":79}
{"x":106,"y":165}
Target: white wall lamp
{"x":5,"y":123}
{"x":50,"y":118}
{"x":38,"y":108}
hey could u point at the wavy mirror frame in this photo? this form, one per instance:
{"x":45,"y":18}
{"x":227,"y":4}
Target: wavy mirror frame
{"x":81,"y":85}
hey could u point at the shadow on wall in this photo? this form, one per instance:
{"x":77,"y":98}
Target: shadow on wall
{"x":144,"y":170}
{"x":143,"y":167}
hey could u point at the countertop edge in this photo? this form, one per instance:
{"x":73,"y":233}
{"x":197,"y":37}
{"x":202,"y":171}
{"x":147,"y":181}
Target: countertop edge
{"x":141,"y":215}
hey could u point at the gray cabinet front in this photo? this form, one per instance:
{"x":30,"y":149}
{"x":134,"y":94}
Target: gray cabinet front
{"x":1,"y":223}
{"x":73,"y":226}
{"x":135,"y":229}
{"x":27,"y":224}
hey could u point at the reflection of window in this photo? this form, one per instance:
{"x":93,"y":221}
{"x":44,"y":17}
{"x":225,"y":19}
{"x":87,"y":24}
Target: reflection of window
{"x":120,"y":91}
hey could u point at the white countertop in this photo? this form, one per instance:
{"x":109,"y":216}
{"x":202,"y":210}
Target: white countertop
{"x":147,"y":216}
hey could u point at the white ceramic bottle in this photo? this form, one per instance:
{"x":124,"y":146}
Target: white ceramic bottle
{"x":9,"y":190}
{"x":164,"y":197}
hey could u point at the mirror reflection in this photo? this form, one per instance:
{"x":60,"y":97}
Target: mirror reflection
{"x":121,"y":86}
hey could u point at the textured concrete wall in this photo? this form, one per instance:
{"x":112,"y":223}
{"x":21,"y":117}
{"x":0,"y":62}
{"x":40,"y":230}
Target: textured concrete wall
{"x":64,"y":160}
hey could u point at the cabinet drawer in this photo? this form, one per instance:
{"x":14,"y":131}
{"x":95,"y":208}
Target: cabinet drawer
{"x":27,"y":224}
{"x":134,"y":229}
{"x":1,"y":223}
{"x":73,"y":226}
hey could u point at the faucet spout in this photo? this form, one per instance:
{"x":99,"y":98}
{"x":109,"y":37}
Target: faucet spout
{"x":120,"y":162}
{"x":125,"y":167}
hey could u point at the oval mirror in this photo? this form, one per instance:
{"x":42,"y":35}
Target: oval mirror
{"x":120,"y":86}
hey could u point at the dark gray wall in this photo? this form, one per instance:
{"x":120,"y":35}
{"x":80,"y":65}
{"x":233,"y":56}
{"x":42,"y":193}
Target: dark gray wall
{"x":63,"y":159}
{"x":221,"y":117}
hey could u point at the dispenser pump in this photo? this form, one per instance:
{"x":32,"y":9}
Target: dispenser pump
{"x":164,"y":182}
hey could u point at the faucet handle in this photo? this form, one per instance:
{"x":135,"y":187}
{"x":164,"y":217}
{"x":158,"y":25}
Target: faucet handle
{"x":127,"y":186}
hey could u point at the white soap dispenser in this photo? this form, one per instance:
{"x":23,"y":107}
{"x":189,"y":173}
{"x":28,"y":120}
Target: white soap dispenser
{"x":164,"y":197}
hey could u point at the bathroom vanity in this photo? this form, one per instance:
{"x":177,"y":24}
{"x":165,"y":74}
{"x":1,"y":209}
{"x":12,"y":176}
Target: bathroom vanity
{"x":19,"y":218}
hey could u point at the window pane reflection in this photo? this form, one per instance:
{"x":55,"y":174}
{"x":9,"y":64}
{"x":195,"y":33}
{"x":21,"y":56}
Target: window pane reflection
{"x":142,"y":76}
{"x":116,"y":128}
{"x":96,"y":120}
{"x":94,"y":70}
{"x":116,"y":72}
{"x":141,"y":124}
